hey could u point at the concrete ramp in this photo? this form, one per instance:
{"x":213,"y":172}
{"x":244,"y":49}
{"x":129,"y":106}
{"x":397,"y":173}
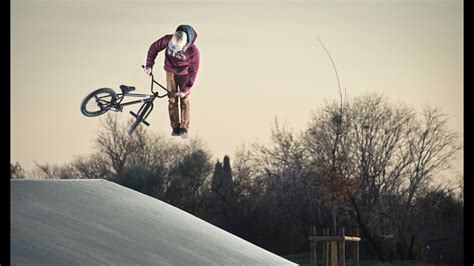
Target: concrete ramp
{"x":91,"y":222}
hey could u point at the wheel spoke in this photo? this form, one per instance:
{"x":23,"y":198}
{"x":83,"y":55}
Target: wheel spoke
{"x":98,"y":102}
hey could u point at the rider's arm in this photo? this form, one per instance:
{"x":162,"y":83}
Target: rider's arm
{"x":192,"y":71}
{"x":155,"y":48}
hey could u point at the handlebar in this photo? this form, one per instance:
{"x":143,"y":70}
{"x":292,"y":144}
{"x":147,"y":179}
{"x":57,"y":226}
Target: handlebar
{"x":154,"y":81}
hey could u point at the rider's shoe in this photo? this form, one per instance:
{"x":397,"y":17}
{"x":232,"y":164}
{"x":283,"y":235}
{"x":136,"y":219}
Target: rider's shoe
{"x":175,"y":132}
{"x":183,"y":132}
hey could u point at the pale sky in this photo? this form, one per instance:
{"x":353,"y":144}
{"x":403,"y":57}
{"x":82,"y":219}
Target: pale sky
{"x":260,"y":60}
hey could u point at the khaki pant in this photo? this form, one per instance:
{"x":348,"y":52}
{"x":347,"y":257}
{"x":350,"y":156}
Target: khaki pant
{"x":174,"y":82}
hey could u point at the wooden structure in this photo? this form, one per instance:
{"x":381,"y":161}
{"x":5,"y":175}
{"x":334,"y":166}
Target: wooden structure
{"x":334,"y":247}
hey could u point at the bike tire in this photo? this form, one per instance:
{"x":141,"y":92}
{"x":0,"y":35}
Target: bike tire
{"x":138,"y":119}
{"x":105,"y":96}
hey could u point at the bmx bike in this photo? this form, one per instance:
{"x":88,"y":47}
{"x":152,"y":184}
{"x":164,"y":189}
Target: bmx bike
{"x":103,"y":100}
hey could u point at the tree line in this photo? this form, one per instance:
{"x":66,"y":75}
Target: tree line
{"x":368,"y":164}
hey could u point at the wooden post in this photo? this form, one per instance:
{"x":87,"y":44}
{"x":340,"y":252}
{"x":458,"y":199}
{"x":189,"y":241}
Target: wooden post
{"x":342,"y":248}
{"x":334,"y":246}
{"x":333,"y":253}
{"x":313,"y":253}
{"x":313,"y":231}
{"x":326,"y":248}
{"x":313,"y":247}
{"x":355,"y":249}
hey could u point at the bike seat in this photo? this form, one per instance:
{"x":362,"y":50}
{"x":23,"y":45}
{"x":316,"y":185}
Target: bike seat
{"x":126,"y":89}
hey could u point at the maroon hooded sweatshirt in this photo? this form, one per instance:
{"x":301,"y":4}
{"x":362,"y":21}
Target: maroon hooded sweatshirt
{"x":181,"y":67}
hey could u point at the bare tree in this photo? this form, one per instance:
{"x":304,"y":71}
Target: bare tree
{"x":151,"y":150}
{"x":328,"y":144}
{"x":381,"y":156}
{"x":247,"y":184}
{"x":93,"y":166}
{"x":188,"y":179}
{"x":113,"y":141}
{"x":378,"y":133}
{"x":16,"y":171}
{"x":53,"y":171}
{"x":282,"y":165}
{"x":335,"y":182}
{"x":430,"y":148}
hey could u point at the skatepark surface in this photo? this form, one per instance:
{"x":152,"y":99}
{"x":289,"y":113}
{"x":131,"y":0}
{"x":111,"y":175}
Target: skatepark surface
{"x":96,"y":222}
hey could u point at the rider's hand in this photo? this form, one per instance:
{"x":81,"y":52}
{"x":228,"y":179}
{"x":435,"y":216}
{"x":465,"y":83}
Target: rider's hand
{"x":147,"y":70}
{"x":181,"y":94}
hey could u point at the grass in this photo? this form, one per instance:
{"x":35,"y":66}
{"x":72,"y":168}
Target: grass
{"x":303,"y":259}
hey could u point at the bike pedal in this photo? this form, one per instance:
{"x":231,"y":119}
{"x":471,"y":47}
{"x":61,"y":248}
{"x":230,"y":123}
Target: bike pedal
{"x":146,"y":123}
{"x":132,"y":113}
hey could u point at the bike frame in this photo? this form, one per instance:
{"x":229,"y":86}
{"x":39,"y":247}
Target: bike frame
{"x":109,"y":100}
{"x":148,"y":98}
{"x":147,"y":103}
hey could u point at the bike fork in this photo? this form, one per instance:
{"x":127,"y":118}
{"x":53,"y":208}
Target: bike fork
{"x":146,"y":110}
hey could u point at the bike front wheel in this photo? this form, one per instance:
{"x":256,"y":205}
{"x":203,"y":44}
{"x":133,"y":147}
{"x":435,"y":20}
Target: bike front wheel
{"x":98,"y":102}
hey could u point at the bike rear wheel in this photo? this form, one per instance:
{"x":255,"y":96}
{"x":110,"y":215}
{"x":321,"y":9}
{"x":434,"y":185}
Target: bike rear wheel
{"x":98,"y":102}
